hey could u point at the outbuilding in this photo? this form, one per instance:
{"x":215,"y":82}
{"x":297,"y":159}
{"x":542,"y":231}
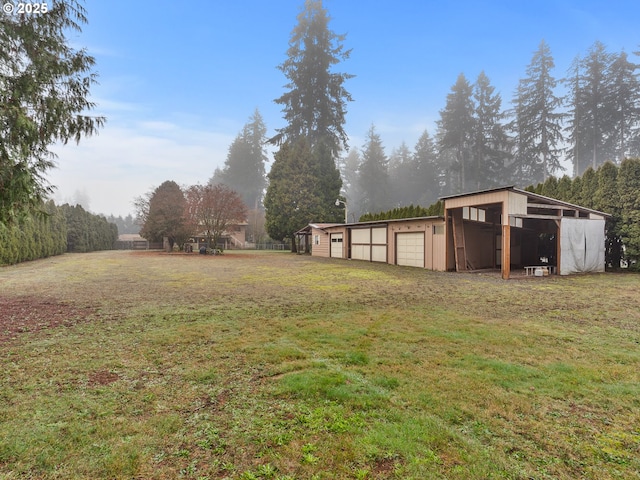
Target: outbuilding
{"x":504,"y":229}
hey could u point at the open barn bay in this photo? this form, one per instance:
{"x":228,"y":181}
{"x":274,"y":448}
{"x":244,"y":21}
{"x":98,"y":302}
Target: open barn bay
{"x":280,"y":366}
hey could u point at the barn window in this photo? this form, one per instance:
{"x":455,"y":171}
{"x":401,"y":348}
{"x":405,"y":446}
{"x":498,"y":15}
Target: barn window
{"x":473,"y":213}
{"x":316,"y":239}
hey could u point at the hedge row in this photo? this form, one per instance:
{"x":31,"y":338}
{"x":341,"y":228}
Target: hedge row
{"x":39,"y":235}
{"x":52,"y":231}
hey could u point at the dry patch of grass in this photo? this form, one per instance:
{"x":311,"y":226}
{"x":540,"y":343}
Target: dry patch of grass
{"x":272,"y":365}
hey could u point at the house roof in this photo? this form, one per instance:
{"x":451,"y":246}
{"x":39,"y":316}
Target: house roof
{"x":531,"y":195}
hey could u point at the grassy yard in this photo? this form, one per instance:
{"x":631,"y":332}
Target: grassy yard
{"x":126,"y":365}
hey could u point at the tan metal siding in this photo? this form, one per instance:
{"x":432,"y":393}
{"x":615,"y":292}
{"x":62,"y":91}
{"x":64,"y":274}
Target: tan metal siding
{"x":438,"y":249}
{"x":321,"y":249}
{"x":434,"y":241}
{"x":477,"y":200}
{"x":517,"y":205}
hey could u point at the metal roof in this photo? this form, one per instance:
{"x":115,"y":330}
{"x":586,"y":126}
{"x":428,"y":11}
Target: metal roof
{"x":551,"y":201}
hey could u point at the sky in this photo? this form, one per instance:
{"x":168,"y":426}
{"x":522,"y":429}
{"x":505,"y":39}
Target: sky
{"x":179,"y":79}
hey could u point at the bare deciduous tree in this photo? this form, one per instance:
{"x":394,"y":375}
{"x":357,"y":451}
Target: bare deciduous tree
{"x":212,"y":209}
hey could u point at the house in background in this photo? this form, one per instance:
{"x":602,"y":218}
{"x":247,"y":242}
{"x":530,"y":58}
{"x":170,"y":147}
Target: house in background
{"x":234,"y":237}
{"x":505,"y":229}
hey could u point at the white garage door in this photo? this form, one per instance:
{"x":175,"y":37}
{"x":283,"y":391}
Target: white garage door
{"x":369,"y":244}
{"x":410,"y":249}
{"x":336,"y":245}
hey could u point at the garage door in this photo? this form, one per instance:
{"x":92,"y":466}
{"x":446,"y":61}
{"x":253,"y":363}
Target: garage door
{"x":410,"y":249}
{"x":369,"y":244}
{"x":336,"y":245}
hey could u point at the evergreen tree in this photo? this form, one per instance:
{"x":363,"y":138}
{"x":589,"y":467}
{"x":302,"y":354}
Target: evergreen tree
{"x":607,"y":200}
{"x":537,"y":122}
{"x":624,"y":105}
{"x":402,"y":178}
{"x":314,"y":109}
{"x":87,"y":232}
{"x":428,"y":175}
{"x":244,"y":170}
{"x":628,"y":188}
{"x":44,"y":90}
{"x":591,"y":116}
{"x":456,"y":126}
{"x":315,"y":105}
{"x":328,"y":184}
{"x":350,"y":182}
{"x":374,"y":174}
{"x":164,"y":215}
{"x":563,"y":189}
{"x":293,"y":199}
{"x":589,"y":187}
{"x":576,"y":191}
{"x":490,"y":143}
{"x":550,"y":187}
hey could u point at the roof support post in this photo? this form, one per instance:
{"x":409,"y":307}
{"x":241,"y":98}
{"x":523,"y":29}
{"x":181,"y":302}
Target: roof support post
{"x":506,"y":251}
{"x":558,"y":249}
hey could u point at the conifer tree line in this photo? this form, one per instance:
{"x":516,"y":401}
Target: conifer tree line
{"x":583,"y":117}
{"x":588,"y":116}
{"x":54,"y":230}
{"x":87,"y":232}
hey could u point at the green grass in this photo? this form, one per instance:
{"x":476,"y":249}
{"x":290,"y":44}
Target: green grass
{"x":282,"y":366}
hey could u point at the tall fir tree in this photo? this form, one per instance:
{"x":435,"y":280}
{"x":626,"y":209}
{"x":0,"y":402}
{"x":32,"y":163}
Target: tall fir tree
{"x":625,"y":106}
{"x":455,"y":136}
{"x":314,"y":108}
{"x":491,"y":142}
{"x":350,"y":184}
{"x":428,"y":174}
{"x":537,"y":121}
{"x":374,"y":174}
{"x":591,"y":106}
{"x":456,"y":126}
{"x":402,"y":178}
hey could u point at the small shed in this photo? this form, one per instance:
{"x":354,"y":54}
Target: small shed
{"x":323,"y":239}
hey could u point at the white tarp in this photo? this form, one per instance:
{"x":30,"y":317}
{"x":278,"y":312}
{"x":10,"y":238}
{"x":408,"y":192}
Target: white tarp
{"x":581,"y":245}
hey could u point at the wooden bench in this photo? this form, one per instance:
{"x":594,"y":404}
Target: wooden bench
{"x":531,"y":270}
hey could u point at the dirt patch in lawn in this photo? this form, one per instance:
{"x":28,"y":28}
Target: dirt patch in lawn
{"x":30,"y":314}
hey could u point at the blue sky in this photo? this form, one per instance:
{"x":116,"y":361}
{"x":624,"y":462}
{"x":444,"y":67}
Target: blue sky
{"x":178,"y":80}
